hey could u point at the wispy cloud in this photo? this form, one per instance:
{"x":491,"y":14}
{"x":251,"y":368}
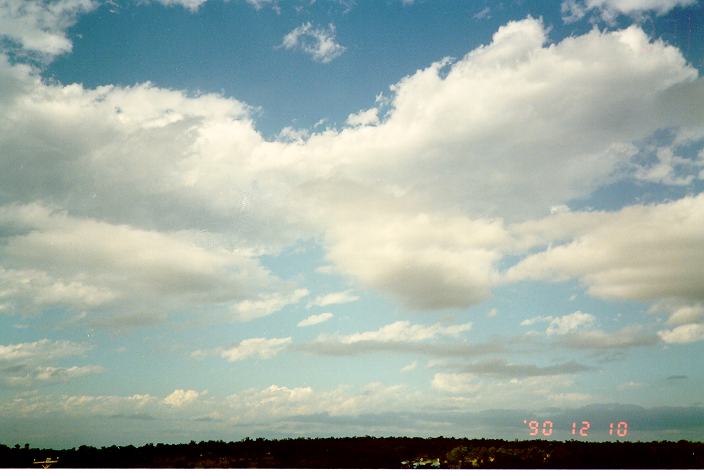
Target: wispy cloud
{"x":315,"y":319}
{"x":258,"y":347}
{"x":340,"y":297}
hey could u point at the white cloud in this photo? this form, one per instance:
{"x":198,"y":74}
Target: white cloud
{"x":468,"y":390}
{"x":683,"y":334}
{"x":629,"y":336}
{"x":192,"y":5}
{"x":573,"y":10}
{"x":315,"y":319}
{"x":39,"y":26}
{"x":265,"y":305}
{"x":670,"y":169}
{"x":455,"y":382}
{"x":52,"y":257}
{"x":180,"y":397}
{"x":483,"y":14}
{"x":257,"y":347}
{"x":25,"y":363}
{"x":687,"y":315}
{"x":63,"y":374}
{"x":369,"y":117}
{"x":319,"y":43}
{"x":340,"y":297}
{"x":569,"y":323}
{"x":40,"y":351}
{"x":615,"y":258}
{"x":410,"y":367}
{"x":404,"y":331}
{"x":566,"y":114}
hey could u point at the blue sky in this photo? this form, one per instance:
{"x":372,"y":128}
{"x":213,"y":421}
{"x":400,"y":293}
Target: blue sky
{"x":222,"y":219}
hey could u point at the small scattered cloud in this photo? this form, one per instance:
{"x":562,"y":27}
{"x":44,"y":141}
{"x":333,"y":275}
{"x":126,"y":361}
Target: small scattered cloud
{"x":318,"y":42}
{"x":315,"y":319}
{"x":404,"y":331}
{"x":609,"y":10}
{"x":483,"y":14}
{"x":410,"y":367}
{"x":180,"y":397}
{"x":258,"y":347}
{"x":192,"y":5}
{"x":265,"y":305}
{"x":562,"y":325}
{"x":341,"y":297}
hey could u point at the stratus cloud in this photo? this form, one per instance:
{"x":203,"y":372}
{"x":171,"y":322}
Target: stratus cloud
{"x":30,"y":363}
{"x":39,"y":26}
{"x":400,"y":336}
{"x":58,"y":255}
{"x":319,"y":43}
{"x":504,"y":369}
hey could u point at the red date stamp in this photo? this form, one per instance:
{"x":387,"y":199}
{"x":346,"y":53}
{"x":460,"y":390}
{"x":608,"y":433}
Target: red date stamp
{"x":546,"y":427}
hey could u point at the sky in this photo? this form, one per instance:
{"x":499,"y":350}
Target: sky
{"x":260,"y":218}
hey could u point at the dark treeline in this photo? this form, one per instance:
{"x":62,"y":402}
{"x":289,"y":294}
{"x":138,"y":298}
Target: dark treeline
{"x":370,"y":452}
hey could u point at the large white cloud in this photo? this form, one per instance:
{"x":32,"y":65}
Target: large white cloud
{"x":39,"y":26}
{"x":50,"y":258}
{"x":414,"y":205}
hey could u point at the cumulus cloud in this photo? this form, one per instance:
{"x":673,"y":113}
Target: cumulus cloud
{"x":563,"y":324}
{"x":639,"y":252}
{"x":465,"y":148}
{"x":315,"y":319}
{"x":180,"y":397}
{"x":39,"y":26}
{"x":317,"y":42}
{"x":57,"y":259}
{"x":683,"y":334}
{"x":363,"y":118}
